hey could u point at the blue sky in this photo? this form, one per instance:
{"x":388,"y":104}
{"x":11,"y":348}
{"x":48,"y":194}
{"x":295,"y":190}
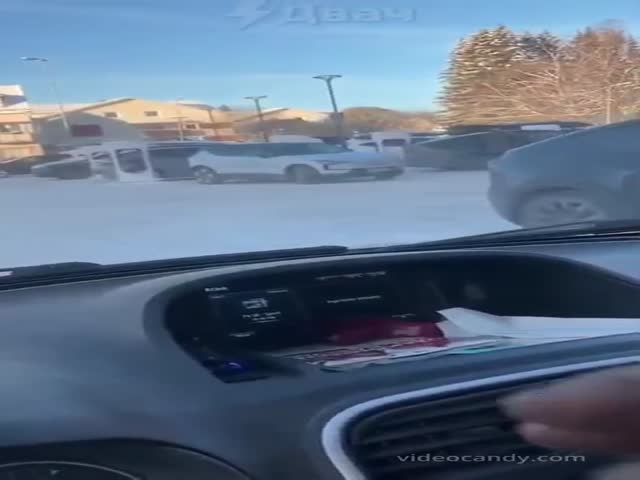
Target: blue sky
{"x":194,"y":49}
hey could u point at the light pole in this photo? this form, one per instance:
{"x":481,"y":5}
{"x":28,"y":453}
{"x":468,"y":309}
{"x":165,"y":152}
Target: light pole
{"x":179,"y":118}
{"x":263,"y":127}
{"x":44,"y":62}
{"x":213,"y":122}
{"x":337,"y":116}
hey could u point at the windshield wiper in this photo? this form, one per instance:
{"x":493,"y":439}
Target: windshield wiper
{"x":74,"y":271}
{"x":571,"y":231}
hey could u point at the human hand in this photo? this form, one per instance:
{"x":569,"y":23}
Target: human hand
{"x":598,"y":412}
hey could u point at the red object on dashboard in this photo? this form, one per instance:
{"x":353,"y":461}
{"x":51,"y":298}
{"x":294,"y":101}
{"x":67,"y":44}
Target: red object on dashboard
{"x":352,"y":332}
{"x":397,"y":328}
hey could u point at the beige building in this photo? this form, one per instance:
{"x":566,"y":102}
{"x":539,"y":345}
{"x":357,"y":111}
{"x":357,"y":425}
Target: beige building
{"x":84,"y":129}
{"x":248,"y":118}
{"x":17,"y":136}
{"x":152,"y":119}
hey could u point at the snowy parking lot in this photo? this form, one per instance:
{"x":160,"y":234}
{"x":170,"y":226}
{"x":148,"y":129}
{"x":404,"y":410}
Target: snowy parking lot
{"x":47,"y":221}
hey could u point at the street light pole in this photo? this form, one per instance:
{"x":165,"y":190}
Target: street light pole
{"x":213,"y":123}
{"x":180,"y":125}
{"x":337,"y":116}
{"x":263,"y":127}
{"x":44,"y":62}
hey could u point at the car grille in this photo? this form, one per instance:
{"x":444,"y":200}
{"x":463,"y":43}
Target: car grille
{"x":463,"y":436}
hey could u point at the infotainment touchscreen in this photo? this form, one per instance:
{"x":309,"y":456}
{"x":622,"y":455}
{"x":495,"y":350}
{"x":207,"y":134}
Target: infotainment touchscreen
{"x":355,"y":295}
{"x":261,"y":314}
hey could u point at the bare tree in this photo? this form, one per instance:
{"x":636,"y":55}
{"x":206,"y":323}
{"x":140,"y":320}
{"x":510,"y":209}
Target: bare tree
{"x":595,"y":76}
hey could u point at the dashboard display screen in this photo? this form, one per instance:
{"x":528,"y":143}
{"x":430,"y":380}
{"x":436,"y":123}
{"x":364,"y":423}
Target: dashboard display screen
{"x":355,"y":295}
{"x":255,"y":313}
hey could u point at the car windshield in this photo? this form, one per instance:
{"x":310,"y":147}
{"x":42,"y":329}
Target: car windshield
{"x":146,"y":130}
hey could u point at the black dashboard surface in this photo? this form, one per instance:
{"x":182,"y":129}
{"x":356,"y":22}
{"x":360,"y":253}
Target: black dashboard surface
{"x":95,"y":361}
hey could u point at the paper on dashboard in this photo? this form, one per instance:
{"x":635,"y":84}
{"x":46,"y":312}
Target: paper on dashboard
{"x":383,"y":351}
{"x":463,"y":322}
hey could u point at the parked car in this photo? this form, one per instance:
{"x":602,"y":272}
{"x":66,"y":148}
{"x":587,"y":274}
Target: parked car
{"x":591,"y":174}
{"x":388,"y":142}
{"x":528,"y":126}
{"x":70,"y":169}
{"x":22,"y":165}
{"x":169,"y":160}
{"x":294,"y":162}
{"x":472,"y":151}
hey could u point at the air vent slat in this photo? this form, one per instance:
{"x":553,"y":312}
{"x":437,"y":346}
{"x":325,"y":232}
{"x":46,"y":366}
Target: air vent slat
{"x":436,"y":427}
{"x":392,"y":444}
{"x":436,"y":413}
{"x":451,"y":406}
{"x":440,"y":447}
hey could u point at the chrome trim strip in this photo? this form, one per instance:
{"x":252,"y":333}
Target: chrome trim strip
{"x":333,"y":431}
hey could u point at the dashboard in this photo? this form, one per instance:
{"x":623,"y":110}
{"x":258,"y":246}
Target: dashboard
{"x":181,"y":375}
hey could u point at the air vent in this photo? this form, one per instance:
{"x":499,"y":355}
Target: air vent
{"x":463,"y":436}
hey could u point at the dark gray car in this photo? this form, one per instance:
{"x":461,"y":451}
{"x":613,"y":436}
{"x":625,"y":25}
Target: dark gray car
{"x":472,"y":151}
{"x":592,"y":174}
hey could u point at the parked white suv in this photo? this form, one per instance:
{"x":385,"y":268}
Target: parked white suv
{"x":294,"y":162}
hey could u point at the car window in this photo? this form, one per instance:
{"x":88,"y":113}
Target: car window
{"x":101,"y":156}
{"x":264,"y":150}
{"x":172,"y":153}
{"x":496,"y":143}
{"x":625,"y":136}
{"x":416,"y":140}
{"x":321,"y":148}
{"x":475,"y":142}
{"x":394,"y":142}
{"x":131,"y":160}
{"x":233,"y":150}
{"x":282,"y":149}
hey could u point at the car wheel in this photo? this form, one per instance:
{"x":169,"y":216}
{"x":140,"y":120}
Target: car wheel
{"x":566,"y":206}
{"x":206,"y":175}
{"x":303,"y":174}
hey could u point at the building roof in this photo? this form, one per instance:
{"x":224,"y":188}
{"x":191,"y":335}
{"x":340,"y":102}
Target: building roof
{"x":49,"y":110}
{"x":285,"y":113}
{"x":52,"y":110}
{"x":13,"y":99}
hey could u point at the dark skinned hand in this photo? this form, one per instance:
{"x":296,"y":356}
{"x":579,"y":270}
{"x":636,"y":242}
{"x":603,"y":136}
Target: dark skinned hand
{"x":597,"y":412}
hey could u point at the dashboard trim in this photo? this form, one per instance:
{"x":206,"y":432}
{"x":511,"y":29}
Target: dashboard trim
{"x":333,"y":432}
{"x":63,"y":463}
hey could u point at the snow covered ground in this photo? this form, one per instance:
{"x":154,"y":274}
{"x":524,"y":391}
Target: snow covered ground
{"x":45,"y":221}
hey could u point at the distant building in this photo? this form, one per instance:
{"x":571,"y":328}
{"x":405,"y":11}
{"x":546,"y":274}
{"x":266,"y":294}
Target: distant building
{"x":17,"y":135}
{"x":84,"y":129}
{"x":152,"y":119}
{"x":244,"y":118}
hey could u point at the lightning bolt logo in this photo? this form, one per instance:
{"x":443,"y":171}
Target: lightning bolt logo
{"x":250,"y":12}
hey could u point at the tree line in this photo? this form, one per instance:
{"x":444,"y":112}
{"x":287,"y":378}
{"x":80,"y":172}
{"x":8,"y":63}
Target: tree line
{"x":497,"y":75}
